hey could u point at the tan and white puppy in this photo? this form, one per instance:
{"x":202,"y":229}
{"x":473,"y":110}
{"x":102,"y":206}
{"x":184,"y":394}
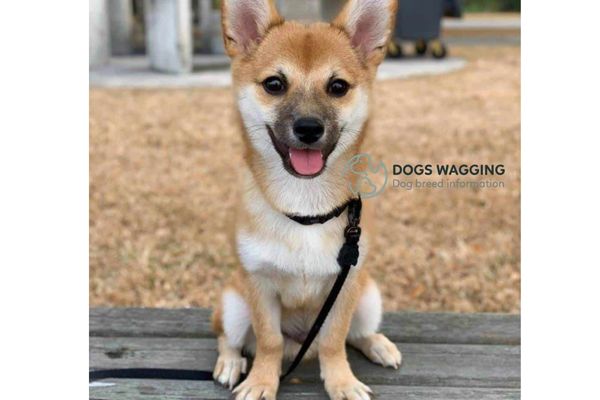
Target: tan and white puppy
{"x":303,"y":93}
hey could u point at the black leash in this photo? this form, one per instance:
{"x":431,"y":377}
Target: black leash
{"x":347,"y":257}
{"x":152,"y":373}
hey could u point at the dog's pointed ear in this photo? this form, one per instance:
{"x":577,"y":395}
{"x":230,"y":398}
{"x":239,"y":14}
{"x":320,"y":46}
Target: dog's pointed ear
{"x":245,"y":23}
{"x":369,"y":23}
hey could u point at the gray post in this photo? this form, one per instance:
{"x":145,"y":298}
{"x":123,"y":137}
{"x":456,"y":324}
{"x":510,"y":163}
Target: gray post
{"x":169,"y":35}
{"x":99,"y":33}
{"x":205,"y":11}
{"x":216,"y":35}
{"x":331,"y":8}
{"x":121,"y":24}
{"x":307,"y":10}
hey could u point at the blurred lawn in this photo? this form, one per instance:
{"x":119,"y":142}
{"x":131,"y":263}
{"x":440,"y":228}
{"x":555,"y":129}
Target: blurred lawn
{"x":163,"y":176}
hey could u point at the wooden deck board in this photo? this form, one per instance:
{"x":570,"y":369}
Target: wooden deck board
{"x":401,"y":327}
{"x":189,"y":390}
{"x":445,"y":356}
{"x":423,"y":364}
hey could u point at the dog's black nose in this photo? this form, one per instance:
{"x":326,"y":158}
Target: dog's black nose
{"x":308,"y":130}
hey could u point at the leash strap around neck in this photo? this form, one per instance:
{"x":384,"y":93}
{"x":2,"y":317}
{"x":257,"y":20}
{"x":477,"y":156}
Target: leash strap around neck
{"x":347,"y":257}
{"x":319,"y":219}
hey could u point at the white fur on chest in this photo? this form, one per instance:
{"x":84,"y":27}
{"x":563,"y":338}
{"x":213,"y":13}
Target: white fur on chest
{"x":280,"y":244}
{"x":298,"y":262}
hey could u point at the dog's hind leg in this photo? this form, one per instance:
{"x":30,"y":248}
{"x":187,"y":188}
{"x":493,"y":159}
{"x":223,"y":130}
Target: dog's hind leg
{"x":363,"y":330}
{"x":231,"y":322}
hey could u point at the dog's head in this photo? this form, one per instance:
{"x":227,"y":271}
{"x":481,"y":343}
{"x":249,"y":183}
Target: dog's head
{"x":303,"y":90}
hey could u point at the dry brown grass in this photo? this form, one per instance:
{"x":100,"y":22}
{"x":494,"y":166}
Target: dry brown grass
{"x":163,"y":164}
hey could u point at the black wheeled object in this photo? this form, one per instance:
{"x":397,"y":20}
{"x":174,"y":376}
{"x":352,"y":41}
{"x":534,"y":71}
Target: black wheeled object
{"x":419,"y":21}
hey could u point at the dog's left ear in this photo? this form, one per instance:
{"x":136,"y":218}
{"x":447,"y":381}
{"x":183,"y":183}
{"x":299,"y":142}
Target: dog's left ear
{"x":245,"y":22}
{"x":369,"y":23}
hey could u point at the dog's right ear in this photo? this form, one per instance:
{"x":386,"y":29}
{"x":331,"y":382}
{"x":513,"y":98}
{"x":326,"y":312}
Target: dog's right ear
{"x":245,"y":22}
{"x":369,"y":25}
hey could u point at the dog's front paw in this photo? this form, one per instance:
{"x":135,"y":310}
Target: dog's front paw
{"x":381,"y":350}
{"x":228,"y":369}
{"x":255,"y":388}
{"x":348,"y":389}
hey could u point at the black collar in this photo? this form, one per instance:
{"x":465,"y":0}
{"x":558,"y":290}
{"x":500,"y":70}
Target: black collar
{"x":321,"y":219}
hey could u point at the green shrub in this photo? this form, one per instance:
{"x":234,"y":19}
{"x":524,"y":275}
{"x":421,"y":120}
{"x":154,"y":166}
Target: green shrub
{"x":491,"y":5}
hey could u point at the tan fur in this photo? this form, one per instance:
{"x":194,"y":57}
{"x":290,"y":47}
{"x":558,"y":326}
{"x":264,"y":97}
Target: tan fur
{"x":310,"y":54}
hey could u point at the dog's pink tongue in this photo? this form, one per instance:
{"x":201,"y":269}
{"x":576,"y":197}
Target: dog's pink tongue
{"x":306,"y":161}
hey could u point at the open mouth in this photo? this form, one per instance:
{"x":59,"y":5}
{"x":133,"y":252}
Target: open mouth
{"x":306,"y":162}
{"x":300,"y":162}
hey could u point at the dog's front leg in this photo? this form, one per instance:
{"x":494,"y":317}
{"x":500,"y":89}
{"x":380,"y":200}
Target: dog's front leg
{"x":340,"y":382}
{"x":263,"y":380}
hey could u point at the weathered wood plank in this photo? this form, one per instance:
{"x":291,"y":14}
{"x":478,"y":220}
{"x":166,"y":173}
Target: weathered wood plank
{"x":402,"y":327}
{"x":482,"y":328}
{"x":423,"y":364}
{"x":189,"y":390}
{"x":150,"y":322}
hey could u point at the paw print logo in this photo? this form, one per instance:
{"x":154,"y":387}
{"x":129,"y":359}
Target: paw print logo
{"x":364,"y":176}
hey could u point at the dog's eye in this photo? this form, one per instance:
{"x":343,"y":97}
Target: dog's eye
{"x":274,"y":85}
{"x":338,"y":87}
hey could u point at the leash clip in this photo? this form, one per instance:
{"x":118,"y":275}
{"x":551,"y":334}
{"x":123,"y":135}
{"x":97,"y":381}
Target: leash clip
{"x":352,"y":234}
{"x":354,"y":208}
{"x":348,"y":254}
